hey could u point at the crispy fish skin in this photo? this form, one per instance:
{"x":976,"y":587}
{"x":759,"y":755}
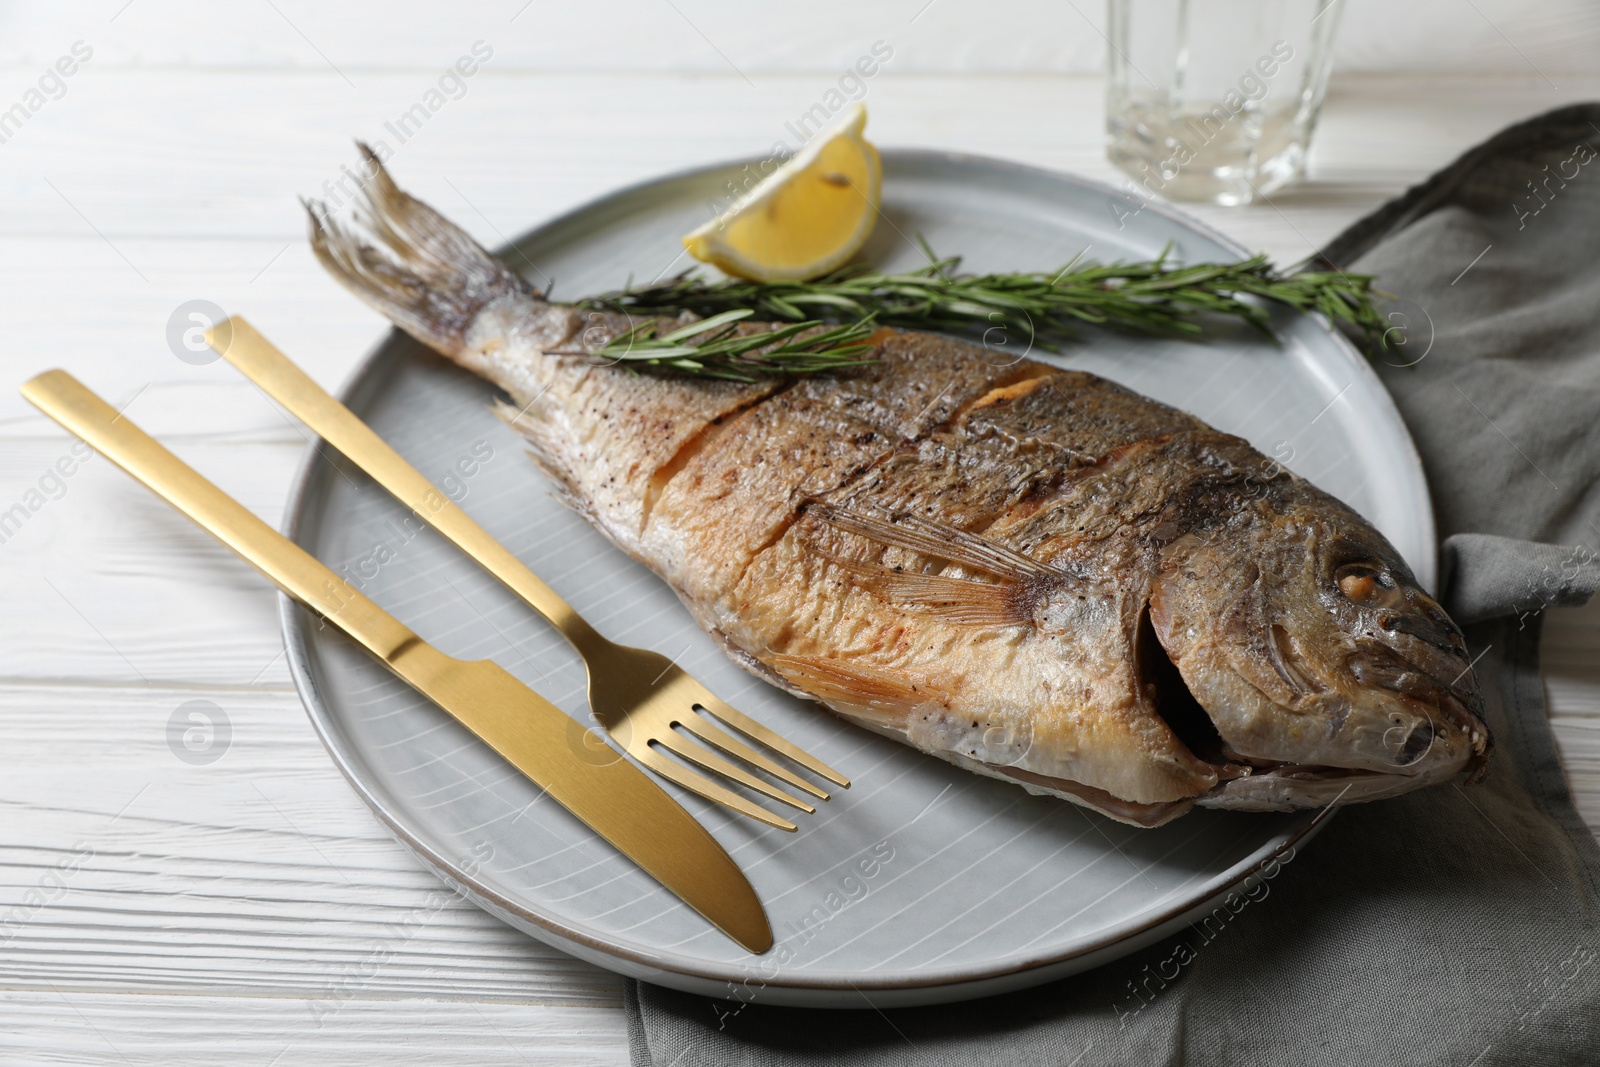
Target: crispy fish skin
{"x":1031,"y":572}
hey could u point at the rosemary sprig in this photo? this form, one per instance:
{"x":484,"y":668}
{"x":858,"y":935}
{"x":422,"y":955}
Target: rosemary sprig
{"x":714,"y":348}
{"x":1149,"y":297}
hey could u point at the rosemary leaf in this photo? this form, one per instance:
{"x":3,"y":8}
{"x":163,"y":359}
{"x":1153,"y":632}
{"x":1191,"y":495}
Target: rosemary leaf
{"x":1149,"y":297}
{"x":721,"y":351}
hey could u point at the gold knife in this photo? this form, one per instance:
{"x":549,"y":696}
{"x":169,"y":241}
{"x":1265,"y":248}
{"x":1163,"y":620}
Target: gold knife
{"x":616,"y":800}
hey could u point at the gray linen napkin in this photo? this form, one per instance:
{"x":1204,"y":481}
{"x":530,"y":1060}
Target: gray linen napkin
{"x":1450,"y":926}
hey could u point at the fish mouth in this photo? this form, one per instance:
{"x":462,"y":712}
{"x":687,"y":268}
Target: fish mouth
{"x":1446,"y":706}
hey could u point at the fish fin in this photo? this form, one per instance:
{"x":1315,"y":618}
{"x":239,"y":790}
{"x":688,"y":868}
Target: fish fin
{"x":544,"y":449}
{"x":870,"y":692}
{"x":960,"y":600}
{"x":916,"y":534}
{"x":409,"y":262}
{"x":751,"y":664}
{"x":1108,"y":804}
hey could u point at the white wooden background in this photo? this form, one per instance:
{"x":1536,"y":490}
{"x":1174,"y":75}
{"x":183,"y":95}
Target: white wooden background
{"x":251,"y":911}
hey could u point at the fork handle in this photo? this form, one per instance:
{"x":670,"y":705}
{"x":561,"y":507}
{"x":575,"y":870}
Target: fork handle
{"x":293,"y":569}
{"x":277,"y":375}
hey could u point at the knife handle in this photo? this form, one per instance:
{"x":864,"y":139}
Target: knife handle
{"x":293,"y":569}
{"x":280,"y":378}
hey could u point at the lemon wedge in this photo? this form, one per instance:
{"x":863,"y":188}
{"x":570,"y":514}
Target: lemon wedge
{"x":805,"y":219}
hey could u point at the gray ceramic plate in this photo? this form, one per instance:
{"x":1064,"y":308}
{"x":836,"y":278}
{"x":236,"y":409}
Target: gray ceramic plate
{"x":923,"y":883}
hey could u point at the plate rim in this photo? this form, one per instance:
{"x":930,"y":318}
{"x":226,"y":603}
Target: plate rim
{"x":294,"y":621}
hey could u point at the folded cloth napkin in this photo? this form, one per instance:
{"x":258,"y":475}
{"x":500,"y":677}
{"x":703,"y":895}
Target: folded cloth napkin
{"x":1456,"y":925}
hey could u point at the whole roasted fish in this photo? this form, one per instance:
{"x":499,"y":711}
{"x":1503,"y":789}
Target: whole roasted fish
{"x":1030,"y":572}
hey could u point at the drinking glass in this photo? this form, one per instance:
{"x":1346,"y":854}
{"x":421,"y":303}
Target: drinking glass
{"x":1216,"y":99}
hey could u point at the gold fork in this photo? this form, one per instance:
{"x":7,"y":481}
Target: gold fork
{"x":643,"y":699}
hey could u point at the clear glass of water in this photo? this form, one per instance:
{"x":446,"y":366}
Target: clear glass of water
{"x":1216,"y":100}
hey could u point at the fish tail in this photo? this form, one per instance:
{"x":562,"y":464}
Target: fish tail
{"x":410,"y":263}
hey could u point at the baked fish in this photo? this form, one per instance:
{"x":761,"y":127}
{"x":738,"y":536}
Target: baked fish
{"x":1033,"y":573}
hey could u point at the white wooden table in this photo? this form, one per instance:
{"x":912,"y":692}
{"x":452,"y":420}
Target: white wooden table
{"x":250,"y":910}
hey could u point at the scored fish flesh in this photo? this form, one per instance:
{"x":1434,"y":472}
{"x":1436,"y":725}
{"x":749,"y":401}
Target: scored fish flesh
{"x":1031,"y":572}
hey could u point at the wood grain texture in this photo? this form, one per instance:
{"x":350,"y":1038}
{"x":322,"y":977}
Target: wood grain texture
{"x":147,"y":1030}
{"x":1571,"y":654}
{"x":250,"y":910}
{"x":338,"y":41}
{"x":260,"y":873}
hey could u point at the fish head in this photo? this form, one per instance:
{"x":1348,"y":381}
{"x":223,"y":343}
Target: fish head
{"x":1309,"y":644}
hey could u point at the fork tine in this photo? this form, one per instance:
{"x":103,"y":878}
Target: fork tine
{"x":680,"y":746}
{"x":698,"y":783}
{"x":748,"y":726}
{"x":734,"y":747}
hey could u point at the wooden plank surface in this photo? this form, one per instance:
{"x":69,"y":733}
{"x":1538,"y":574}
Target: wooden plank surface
{"x":721,"y":36}
{"x":250,"y":910}
{"x":77,"y":1028}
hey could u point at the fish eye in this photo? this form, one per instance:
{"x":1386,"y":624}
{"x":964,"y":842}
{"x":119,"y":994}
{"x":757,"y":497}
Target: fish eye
{"x":1362,"y":582}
